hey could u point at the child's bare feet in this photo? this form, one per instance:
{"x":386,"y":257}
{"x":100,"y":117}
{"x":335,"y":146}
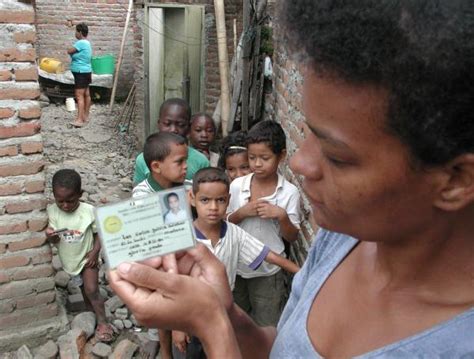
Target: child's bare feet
{"x":104,"y":333}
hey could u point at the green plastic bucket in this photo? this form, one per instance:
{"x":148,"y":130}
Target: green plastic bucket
{"x":103,"y":64}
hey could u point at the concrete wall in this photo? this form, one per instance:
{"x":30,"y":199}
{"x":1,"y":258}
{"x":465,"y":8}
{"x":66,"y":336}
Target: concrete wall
{"x":27,"y":295}
{"x":233,"y":10}
{"x":56,"y":21}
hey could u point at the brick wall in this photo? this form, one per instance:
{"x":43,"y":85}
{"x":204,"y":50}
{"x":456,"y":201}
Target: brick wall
{"x":56,"y":22}
{"x":27,"y":293}
{"x":285,"y":106}
{"x":233,"y":10}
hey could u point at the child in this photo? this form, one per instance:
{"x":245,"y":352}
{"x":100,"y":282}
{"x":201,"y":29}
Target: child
{"x":229,"y":243}
{"x":174,"y":117}
{"x":234,"y":157}
{"x":175,"y":212}
{"x":165,"y":154}
{"x":202,"y":135}
{"x":264,"y":204}
{"x":78,"y":243}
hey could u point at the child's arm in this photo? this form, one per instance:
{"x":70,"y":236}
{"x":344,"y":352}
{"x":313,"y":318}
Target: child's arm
{"x":288,"y":230}
{"x":284,"y":263}
{"x":93,"y":255}
{"x":51,"y":235}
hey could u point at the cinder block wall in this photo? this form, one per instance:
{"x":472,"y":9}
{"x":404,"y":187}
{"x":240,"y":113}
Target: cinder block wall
{"x":56,"y":21}
{"x":27,"y":293}
{"x":233,"y":10}
{"x":285,"y":106}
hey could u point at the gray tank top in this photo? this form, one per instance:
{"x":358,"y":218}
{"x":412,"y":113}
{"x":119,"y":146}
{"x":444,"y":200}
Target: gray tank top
{"x":451,"y":339}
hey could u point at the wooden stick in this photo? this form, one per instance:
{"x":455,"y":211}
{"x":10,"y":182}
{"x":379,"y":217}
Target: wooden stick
{"x":119,"y":61}
{"x":132,"y":90}
{"x":223,"y":63}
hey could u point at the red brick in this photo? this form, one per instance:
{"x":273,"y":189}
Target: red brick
{"x":14,"y":54}
{"x":37,"y":225}
{"x":4,"y":277}
{"x":24,"y":168}
{"x":31,"y":147}
{"x":30,"y":112}
{"x":3,"y":248}
{"x":31,"y":272}
{"x":15,"y":289}
{"x":5,"y":75}
{"x":28,"y":74}
{"x":28,"y":37}
{"x":8,"y":151}
{"x":14,"y":261}
{"x":19,"y":94}
{"x":25,"y":206}
{"x":9,"y":189}
{"x":33,"y":187}
{"x":17,"y":17}
{"x":20,"y":130}
{"x":16,"y":227}
{"x":6,"y":112}
{"x":35,"y":299}
{"x":27,"y":243}
{"x":28,"y":316}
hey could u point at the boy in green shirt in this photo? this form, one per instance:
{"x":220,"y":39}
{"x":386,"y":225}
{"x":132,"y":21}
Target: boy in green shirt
{"x":175,"y":116}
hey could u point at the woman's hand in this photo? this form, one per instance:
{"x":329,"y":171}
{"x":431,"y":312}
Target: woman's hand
{"x":163,"y":299}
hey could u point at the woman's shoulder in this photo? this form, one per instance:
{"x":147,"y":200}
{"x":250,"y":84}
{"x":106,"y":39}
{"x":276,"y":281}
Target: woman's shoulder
{"x":327,"y":244}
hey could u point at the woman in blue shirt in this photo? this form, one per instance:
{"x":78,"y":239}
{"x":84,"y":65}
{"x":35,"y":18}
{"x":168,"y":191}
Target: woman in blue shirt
{"x":81,"y":68}
{"x":388,"y":167}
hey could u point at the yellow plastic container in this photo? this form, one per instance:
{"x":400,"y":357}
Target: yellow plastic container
{"x":51,"y":65}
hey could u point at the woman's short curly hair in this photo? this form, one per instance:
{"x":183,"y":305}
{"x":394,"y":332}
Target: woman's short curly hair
{"x":422,"y":51}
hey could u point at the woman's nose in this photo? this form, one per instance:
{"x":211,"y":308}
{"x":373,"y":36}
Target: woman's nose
{"x":307,"y":160}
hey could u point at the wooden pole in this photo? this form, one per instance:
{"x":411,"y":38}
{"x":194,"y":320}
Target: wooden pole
{"x":223,"y":63}
{"x":119,"y":61}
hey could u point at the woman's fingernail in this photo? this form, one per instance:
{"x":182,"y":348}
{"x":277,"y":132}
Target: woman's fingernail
{"x":124,"y":267}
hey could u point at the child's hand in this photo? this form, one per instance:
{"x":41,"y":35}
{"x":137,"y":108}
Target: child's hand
{"x":50,"y":232}
{"x":92,"y":258}
{"x":249,"y":209}
{"x":266,"y":210}
{"x":180,"y":340}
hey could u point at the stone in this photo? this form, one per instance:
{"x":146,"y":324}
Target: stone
{"x":127,"y":323}
{"x":124,"y":350}
{"x":118,"y":324}
{"x":121,"y":313}
{"x":72,"y":344}
{"x":75,"y":303}
{"x":102,"y":350}
{"x":57,"y":265}
{"x":103,"y":292}
{"x":134,"y":320}
{"x":24,"y":353}
{"x":114,"y":303}
{"x":86,"y":322}
{"x":61,"y":279}
{"x":49,"y":350}
{"x":72,"y":288}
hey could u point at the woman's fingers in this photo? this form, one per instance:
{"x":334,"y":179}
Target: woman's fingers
{"x":144,"y":276}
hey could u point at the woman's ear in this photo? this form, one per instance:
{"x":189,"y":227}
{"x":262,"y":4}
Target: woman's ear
{"x":457,"y":191}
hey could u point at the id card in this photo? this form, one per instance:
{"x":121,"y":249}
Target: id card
{"x":145,"y":227}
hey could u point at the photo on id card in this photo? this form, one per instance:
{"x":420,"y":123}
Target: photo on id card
{"x":145,"y":227}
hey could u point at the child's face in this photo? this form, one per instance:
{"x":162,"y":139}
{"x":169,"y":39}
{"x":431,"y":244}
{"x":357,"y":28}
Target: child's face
{"x":202,"y":133}
{"x":174,"y":119}
{"x":173,"y":168}
{"x":237,"y":165}
{"x":211,"y":202}
{"x":262,"y":160}
{"x":66,"y":199}
{"x":173,"y":203}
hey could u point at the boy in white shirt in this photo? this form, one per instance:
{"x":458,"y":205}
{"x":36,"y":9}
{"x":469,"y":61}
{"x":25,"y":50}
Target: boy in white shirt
{"x":267,"y":206}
